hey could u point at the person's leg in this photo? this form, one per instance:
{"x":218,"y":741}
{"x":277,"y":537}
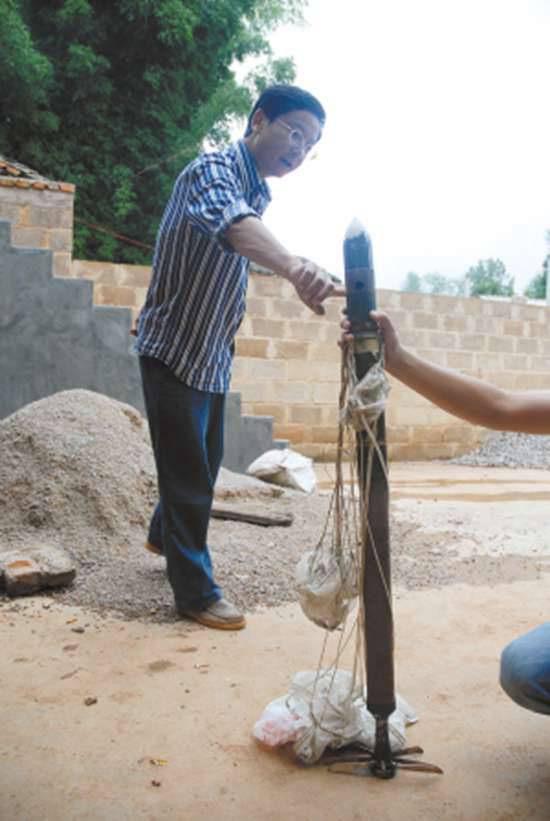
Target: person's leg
{"x":525,"y":669}
{"x":180,"y":419}
{"x":154,"y":536}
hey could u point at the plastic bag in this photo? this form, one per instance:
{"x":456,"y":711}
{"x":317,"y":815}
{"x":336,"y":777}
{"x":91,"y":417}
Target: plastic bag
{"x":285,"y":467}
{"x":326,"y":710}
{"x":326,"y":586}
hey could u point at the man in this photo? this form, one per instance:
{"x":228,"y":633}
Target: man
{"x":210,"y":230}
{"x":525,"y":662}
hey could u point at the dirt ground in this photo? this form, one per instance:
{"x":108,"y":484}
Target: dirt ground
{"x":168,"y":732}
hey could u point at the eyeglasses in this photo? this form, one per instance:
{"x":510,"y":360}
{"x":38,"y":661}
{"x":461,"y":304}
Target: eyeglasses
{"x":296,"y":138}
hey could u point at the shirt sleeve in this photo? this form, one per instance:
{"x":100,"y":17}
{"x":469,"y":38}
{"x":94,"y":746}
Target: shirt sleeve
{"x":216,"y":198}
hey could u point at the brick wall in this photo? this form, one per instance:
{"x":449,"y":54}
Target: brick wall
{"x":41,"y":214}
{"x":288,"y":362}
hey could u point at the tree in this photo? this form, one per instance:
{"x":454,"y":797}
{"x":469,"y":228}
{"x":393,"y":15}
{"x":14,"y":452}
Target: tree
{"x":118,"y":96}
{"x":434,"y":283}
{"x":412,"y":283}
{"x":536,"y":289}
{"x":489,"y":277}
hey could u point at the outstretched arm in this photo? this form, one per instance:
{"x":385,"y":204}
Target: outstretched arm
{"x":250,"y":238}
{"x":471,"y":399}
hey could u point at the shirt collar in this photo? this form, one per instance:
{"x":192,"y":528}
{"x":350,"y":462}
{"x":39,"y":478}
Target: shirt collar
{"x":249,"y":171}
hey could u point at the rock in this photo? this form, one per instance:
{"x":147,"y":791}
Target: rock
{"x":21,"y":576}
{"x":33,"y":567}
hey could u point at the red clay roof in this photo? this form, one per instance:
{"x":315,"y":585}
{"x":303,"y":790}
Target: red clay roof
{"x":16,"y":175}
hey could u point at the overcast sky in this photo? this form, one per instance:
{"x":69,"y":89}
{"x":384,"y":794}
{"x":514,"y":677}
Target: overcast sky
{"x":437,"y":136}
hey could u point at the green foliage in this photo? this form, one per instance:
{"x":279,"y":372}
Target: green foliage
{"x":412,"y":283}
{"x":434,"y":283}
{"x":536,"y":289}
{"x":489,"y":277}
{"x":118,"y":96}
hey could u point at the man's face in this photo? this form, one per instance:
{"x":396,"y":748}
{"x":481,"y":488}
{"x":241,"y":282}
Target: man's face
{"x":281,"y":145}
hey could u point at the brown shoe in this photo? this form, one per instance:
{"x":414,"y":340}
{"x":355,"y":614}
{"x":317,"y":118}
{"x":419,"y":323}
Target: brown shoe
{"x":152,"y":548}
{"x":221,"y":615}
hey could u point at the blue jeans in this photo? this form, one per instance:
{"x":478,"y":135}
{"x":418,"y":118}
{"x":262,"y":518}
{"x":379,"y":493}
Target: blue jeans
{"x":525,"y":669}
{"x":187,"y":436}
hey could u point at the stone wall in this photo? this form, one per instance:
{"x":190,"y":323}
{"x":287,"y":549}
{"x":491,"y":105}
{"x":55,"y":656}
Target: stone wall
{"x":288,"y":363}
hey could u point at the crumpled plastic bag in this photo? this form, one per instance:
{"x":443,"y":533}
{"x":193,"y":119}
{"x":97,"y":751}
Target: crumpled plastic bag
{"x":324,"y":711}
{"x":326,"y":587}
{"x":285,"y":467}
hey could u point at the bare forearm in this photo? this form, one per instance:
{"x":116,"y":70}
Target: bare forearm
{"x":468,"y":398}
{"x":250,"y":238}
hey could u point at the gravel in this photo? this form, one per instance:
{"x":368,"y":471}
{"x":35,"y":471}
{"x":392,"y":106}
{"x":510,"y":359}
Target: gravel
{"x":514,"y":450}
{"x":77,"y":471}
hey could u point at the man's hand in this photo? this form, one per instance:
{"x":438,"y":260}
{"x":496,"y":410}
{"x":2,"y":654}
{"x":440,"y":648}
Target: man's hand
{"x":392,"y":346}
{"x":313,"y":285}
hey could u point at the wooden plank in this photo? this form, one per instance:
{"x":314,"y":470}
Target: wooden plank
{"x":264,"y":520}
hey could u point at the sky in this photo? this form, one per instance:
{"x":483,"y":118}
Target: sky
{"x":437,"y":136}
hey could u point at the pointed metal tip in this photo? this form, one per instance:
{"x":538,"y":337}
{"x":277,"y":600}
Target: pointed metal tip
{"x":355,"y":228}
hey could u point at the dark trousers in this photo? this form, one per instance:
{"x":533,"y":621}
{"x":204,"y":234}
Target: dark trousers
{"x":187,"y":435}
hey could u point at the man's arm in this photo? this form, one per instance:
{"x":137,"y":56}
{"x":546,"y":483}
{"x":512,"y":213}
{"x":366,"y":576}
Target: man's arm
{"x":250,"y":238}
{"x":471,"y":399}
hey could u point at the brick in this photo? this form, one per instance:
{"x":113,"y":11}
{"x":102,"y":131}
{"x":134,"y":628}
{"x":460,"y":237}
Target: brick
{"x":500,"y":343}
{"x":267,"y":369}
{"x":294,"y":433}
{"x":454,"y":323}
{"x":328,"y":353}
{"x":412,"y":302}
{"x":256,"y":306}
{"x":513,"y":327}
{"x":472,"y":342}
{"x":11,"y":212}
{"x":485,"y":361}
{"x":254,"y":391}
{"x":324,"y":393}
{"x":291,"y":392}
{"x":267,"y":286}
{"x":279,"y":412}
{"x":514,"y":362}
{"x":531,"y":346}
{"x":412,"y":339}
{"x":305,"y":415}
{"x":324,"y":434}
{"x":441,"y":340}
{"x":60,"y":239}
{"x":310,"y":371}
{"x":251,"y":346}
{"x":29,"y":237}
{"x":398,"y":434}
{"x":437,"y":356}
{"x":422,"y":319}
{"x":460,"y":359}
{"x":289,"y":309}
{"x":307,"y":330}
{"x":287,"y":349}
{"x":330,"y":413}
{"x":62,"y":264}
{"x":268,"y":327}
{"x":540,"y":363}
{"x":118,"y":295}
{"x":388,"y":300}
{"x":50,"y":216}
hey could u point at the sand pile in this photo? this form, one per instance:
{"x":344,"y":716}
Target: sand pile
{"x":78,"y":467}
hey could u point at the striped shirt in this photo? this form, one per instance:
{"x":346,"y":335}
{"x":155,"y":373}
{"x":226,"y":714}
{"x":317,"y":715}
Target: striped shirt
{"x":197,"y":295}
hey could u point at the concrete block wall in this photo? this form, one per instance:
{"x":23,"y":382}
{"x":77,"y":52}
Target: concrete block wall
{"x":41,"y":216}
{"x":288,"y":363}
